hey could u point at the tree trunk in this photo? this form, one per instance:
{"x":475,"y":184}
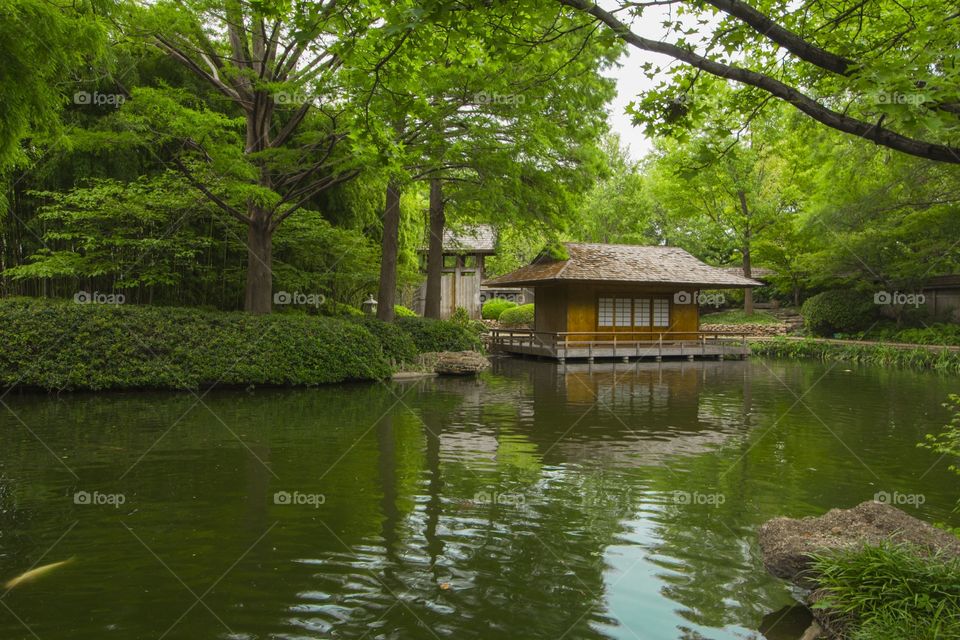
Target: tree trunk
{"x":387,"y":295}
{"x":259,"y":291}
{"x":438,"y":221}
{"x":747,"y":271}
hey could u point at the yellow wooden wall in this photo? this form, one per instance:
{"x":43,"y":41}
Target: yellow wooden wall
{"x":573,"y":307}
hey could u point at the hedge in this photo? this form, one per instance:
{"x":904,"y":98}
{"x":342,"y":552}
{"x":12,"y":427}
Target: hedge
{"x":400,"y":311}
{"x":62,"y":345}
{"x":838,"y":311}
{"x":493,"y":308}
{"x":440,"y":335}
{"x":397,"y":344}
{"x":518,"y":315}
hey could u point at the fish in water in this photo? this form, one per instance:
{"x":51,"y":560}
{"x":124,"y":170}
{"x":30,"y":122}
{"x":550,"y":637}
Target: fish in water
{"x":33,"y":574}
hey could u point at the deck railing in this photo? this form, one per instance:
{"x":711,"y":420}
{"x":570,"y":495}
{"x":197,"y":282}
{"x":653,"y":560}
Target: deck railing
{"x":625,"y":342}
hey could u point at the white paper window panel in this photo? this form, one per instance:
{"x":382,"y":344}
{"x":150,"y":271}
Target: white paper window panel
{"x":641,"y":312}
{"x":622,"y":306}
{"x":605,"y":312}
{"x":661,"y":312}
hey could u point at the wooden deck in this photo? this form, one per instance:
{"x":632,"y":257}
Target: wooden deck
{"x":622,"y":346}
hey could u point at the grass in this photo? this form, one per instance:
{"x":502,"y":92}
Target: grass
{"x":879,"y":354}
{"x":737,"y":316}
{"x":890,"y":592}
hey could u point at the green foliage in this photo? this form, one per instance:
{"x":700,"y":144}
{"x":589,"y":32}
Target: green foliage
{"x":880,"y":355}
{"x":737,"y":316}
{"x":937,"y":333}
{"x":891,"y":592}
{"x":556,"y":251}
{"x":333,"y":308}
{"x":397,"y":344}
{"x":838,"y":311}
{"x":440,"y":335}
{"x":401,"y":311}
{"x":493,"y":308}
{"x":521,"y":315}
{"x":60,"y":345}
{"x":460,"y":316}
{"x":947,"y":442}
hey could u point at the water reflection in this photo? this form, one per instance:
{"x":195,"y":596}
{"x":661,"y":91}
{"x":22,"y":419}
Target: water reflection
{"x":536,"y":501}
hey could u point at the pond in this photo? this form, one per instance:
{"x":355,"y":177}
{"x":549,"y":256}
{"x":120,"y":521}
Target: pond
{"x":612,"y":501}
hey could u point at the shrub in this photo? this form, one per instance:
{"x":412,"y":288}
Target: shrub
{"x":332,"y":308}
{"x":397,"y":345}
{"x":401,"y":311}
{"x":439,"y":335}
{"x":517,"y":315}
{"x":891,"y":592}
{"x":460,"y":316}
{"x":493,"y":308}
{"x":840,"y":311}
{"x":62,"y":345}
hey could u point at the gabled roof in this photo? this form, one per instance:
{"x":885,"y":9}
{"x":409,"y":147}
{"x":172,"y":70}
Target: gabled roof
{"x":757,"y":273}
{"x":479,"y":238}
{"x":623,"y":263}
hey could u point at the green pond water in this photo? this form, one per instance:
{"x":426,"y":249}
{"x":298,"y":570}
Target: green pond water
{"x":618,"y":501}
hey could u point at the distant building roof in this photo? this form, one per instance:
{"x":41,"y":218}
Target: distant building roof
{"x":623,"y":263}
{"x":479,"y":238}
{"x":760,"y":273}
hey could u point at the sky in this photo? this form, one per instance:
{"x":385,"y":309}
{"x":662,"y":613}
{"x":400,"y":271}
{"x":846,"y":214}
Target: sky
{"x":630,"y":83}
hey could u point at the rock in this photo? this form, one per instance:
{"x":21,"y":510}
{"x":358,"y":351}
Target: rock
{"x":787,"y":542}
{"x":751,"y":330}
{"x":813,"y":632}
{"x":460,"y":363}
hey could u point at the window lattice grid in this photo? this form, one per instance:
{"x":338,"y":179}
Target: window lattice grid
{"x":622,"y":315}
{"x":641,"y":312}
{"x":661,"y":312}
{"x":605,"y":312}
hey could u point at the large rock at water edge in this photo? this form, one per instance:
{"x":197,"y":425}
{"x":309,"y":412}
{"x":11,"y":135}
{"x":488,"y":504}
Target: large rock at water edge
{"x":787,"y":543}
{"x":460,"y":363}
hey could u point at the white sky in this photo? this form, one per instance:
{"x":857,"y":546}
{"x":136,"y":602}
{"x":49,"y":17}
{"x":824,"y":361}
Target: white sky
{"x":629,"y":76}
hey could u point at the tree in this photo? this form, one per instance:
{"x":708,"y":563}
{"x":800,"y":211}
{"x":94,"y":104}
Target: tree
{"x":43,"y":46}
{"x":883,"y":71}
{"x":278,"y":67}
{"x":731,"y":189}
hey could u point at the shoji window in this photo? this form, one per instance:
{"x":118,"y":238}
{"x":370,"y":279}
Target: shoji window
{"x":605,"y":312}
{"x":661,"y":312}
{"x":622,"y":307}
{"x":641,"y":312}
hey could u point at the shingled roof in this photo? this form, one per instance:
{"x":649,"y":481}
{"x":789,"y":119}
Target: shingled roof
{"x":623,"y":263}
{"x":480,"y":238}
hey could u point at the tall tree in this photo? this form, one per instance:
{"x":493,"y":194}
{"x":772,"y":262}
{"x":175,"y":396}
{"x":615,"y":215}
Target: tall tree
{"x":278,"y":67}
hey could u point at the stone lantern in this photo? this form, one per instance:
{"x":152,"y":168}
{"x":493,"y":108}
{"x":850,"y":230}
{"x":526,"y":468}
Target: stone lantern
{"x":369,"y":306}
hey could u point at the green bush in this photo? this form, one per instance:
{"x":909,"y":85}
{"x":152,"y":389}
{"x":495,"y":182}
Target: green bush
{"x":397,"y":345}
{"x":62,"y":345}
{"x":440,"y":335}
{"x":493,"y":308}
{"x":332,"y":308}
{"x":400,"y":311}
{"x":840,"y":311}
{"x":517,"y":315}
{"x":890,"y":592}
